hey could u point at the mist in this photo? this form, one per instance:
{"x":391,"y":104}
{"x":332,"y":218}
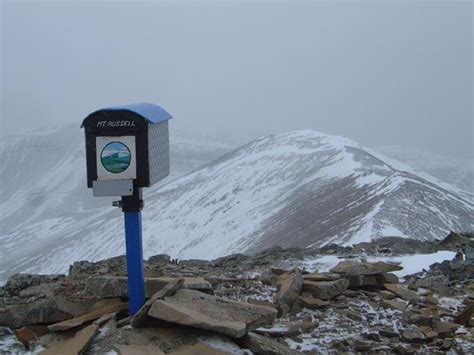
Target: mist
{"x":388,"y":73}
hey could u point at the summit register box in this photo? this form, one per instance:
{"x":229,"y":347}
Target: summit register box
{"x":127,"y":148}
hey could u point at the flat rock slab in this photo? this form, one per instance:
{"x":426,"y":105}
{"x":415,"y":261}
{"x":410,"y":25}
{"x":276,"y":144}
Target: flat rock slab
{"x":140,"y":318}
{"x":402,"y":292}
{"x":200,"y":310}
{"x":287,"y":328}
{"x":137,"y":350}
{"x":354,"y":268}
{"x":322,"y":276}
{"x":260,"y":344}
{"x":308,"y":301}
{"x":117,"y":286}
{"x":75,"y":322}
{"x":76,"y":345}
{"x":395,"y":303}
{"x":325,"y":290}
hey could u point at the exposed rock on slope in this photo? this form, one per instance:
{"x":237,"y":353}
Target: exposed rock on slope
{"x":300,"y":189}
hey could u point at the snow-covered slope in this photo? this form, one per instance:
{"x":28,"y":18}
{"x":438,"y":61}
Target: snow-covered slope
{"x":302,"y":189}
{"x":453,"y":170}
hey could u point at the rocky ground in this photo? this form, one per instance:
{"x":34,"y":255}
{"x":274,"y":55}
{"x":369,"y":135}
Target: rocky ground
{"x":276,"y":302}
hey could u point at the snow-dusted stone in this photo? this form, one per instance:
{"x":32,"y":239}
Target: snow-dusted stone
{"x":260,"y":344}
{"x":289,"y":286}
{"x":355,"y":268}
{"x":402,"y":292}
{"x":325,"y":290}
{"x":200,"y":310}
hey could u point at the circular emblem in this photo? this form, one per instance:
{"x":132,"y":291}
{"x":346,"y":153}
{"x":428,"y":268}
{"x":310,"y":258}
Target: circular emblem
{"x":115,"y":157}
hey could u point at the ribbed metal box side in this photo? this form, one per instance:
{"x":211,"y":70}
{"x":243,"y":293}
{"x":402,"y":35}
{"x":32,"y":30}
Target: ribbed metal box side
{"x":159,"y":151}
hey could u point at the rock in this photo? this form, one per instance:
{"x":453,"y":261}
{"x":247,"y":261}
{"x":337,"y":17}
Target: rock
{"x":396,"y":303}
{"x":137,"y":350}
{"x":428,"y":332}
{"x":261,"y":345}
{"x":45,"y":289}
{"x":141,"y":317}
{"x":354,"y":268}
{"x":76,"y":345}
{"x":465,"y":316}
{"x":20,"y":282}
{"x":106,"y":286}
{"x":308,"y":301}
{"x":30,"y":334}
{"x":289,"y":286}
{"x":322,"y":276}
{"x":445,"y":329}
{"x":387,"y":278}
{"x":116,"y":286}
{"x":402,"y":292}
{"x":388,"y":333}
{"x":362,"y":281}
{"x":198,"y":349}
{"x":419,"y":316}
{"x":288,"y":328}
{"x":44,"y":311}
{"x":413,"y":335}
{"x":200,"y":310}
{"x":326,"y":290}
{"x":387,"y":295}
{"x":75,"y":322}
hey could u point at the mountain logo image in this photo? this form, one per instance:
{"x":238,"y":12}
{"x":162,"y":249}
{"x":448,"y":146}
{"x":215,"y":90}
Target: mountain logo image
{"x":115,"y":157}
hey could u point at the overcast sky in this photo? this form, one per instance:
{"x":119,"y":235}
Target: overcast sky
{"x":379,"y":72}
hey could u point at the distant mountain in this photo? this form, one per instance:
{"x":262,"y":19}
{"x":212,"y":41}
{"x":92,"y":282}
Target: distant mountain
{"x":300,"y":189}
{"x":455,"y":171}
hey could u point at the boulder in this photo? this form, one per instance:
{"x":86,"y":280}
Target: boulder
{"x":355,"y":268}
{"x":200,"y":310}
{"x":325,"y":290}
{"x":289,"y":286}
{"x":262,"y":345}
{"x":387,"y":278}
{"x":445,"y":329}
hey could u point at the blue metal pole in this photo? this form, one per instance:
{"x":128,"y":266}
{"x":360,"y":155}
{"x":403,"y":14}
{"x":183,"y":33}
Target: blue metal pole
{"x":136,"y":278}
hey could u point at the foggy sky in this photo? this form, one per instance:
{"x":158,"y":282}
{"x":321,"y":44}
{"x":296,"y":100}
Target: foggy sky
{"x":381,"y":73}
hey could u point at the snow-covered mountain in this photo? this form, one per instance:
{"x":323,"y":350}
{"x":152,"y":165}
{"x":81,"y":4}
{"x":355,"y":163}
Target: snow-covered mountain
{"x":302,"y":189}
{"x":453,"y":170}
